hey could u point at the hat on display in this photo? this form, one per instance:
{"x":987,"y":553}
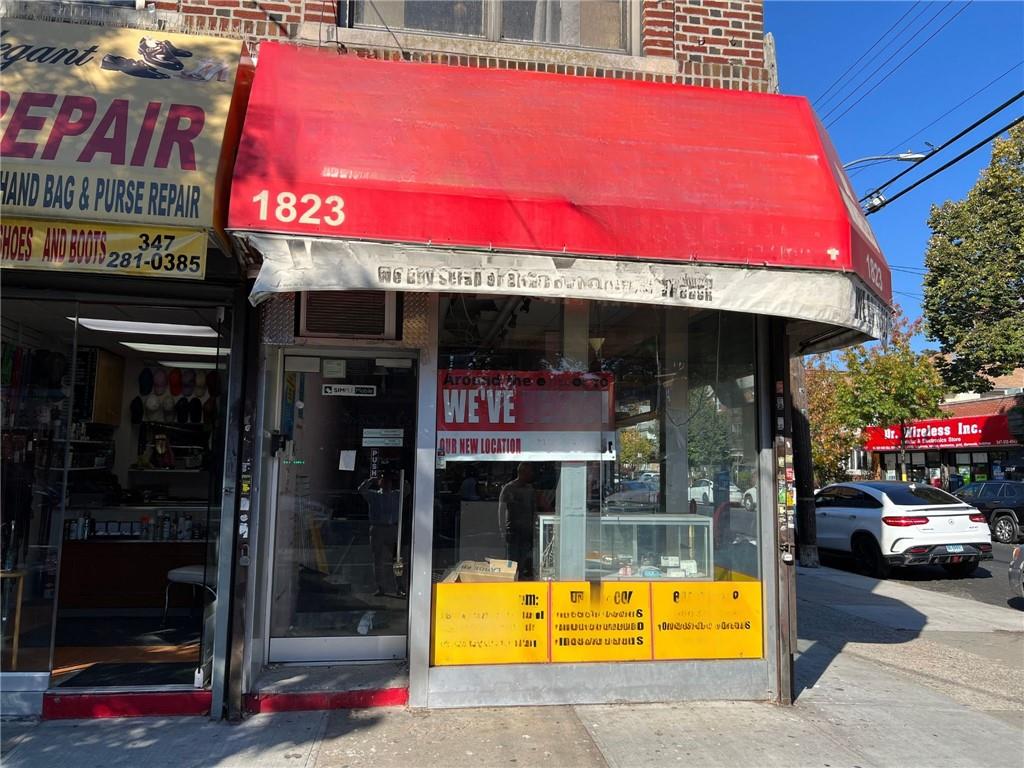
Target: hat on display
{"x":200,"y":388}
{"x":145,"y":382}
{"x":213,"y":383}
{"x":153,"y":408}
{"x":167,"y":403}
{"x":135,"y":408}
{"x":195,"y":410}
{"x":181,"y":410}
{"x":188,"y":382}
{"x":174,"y":381}
{"x":159,"y":381}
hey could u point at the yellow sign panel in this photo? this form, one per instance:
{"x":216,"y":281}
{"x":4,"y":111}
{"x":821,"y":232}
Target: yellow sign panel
{"x":109,"y":249}
{"x":112,"y":124}
{"x":480,"y":623}
{"x":707,"y":620}
{"x":600,"y":621}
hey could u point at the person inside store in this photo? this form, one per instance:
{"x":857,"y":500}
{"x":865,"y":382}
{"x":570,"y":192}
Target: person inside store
{"x":517,"y":510}
{"x":383,"y":498}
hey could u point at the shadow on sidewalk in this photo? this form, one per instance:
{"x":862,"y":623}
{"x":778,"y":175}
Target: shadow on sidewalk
{"x":829,"y":630}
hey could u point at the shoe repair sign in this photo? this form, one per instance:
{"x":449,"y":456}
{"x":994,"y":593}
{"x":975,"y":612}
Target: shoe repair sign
{"x":112,"y":125}
{"x":525,"y":416}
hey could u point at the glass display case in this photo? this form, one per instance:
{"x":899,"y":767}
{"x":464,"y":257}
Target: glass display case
{"x":632,"y":546}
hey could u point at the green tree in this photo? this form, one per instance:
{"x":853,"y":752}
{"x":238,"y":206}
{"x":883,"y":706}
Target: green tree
{"x":635,"y":450}
{"x":832,"y":437}
{"x":974,"y":289}
{"x":886,"y":384}
{"x":707,"y":431}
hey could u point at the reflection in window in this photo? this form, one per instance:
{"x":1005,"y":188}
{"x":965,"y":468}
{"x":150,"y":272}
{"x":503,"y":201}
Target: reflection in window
{"x":451,"y":17}
{"x":590,"y":24}
{"x":595,"y":440}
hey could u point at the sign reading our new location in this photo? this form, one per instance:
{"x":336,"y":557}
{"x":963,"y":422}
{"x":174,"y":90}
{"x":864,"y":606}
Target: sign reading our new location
{"x":525,"y":416}
{"x":119,"y":129}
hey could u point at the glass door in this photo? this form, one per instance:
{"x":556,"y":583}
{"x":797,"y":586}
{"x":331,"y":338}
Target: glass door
{"x":344,"y":509}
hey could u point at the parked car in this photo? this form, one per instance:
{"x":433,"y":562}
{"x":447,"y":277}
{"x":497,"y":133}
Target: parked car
{"x":633,"y":492}
{"x":650,"y":477}
{"x":1002,"y":503}
{"x":1016,"y":572}
{"x":703,"y":491}
{"x":750,"y":498}
{"x":887,"y":523}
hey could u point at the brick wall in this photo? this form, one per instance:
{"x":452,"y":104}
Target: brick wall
{"x":713,"y":43}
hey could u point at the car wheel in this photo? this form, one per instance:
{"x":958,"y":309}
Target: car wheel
{"x":703,"y":498}
{"x":868,"y":557}
{"x":959,"y":570}
{"x":748,"y":503}
{"x":1005,"y":530}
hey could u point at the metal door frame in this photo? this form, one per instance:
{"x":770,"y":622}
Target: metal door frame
{"x":324,"y":649}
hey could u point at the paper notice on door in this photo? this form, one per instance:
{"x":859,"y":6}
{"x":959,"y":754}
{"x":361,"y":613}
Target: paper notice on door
{"x":346,"y":461}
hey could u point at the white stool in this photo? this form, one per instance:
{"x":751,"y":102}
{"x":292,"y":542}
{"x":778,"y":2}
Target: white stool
{"x":193,"y":576}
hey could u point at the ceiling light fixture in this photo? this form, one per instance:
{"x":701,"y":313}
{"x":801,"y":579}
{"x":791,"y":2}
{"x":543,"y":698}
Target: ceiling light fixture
{"x":173,"y":349}
{"x":153,"y":329}
{"x":206,"y":365}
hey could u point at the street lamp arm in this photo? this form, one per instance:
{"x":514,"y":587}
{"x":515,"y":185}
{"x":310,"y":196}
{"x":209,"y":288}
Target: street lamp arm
{"x":906,"y":157}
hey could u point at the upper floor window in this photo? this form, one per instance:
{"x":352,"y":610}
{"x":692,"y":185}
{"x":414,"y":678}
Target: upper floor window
{"x":597,"y":24}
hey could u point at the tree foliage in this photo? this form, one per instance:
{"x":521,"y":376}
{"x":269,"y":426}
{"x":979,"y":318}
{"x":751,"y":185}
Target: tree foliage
{"x":708,"y":443}
{"x":832,"y":438}
{"x":974,"y":288}
{"x":635,"y":450}
{"x":886,"y":384}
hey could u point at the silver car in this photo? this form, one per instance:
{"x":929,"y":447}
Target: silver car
{"x":1017,"y":571}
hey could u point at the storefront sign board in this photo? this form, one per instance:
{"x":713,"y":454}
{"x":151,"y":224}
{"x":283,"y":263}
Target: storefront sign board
{"x":90,"y":133}
{"x":935,"y":434}
{"x":525,"y":416}
{"x":490,"y":623}
{"x":600,"y":621}
{"x":348,"y":390}
{"x":707,"y":620}
{"x":111,"y":249}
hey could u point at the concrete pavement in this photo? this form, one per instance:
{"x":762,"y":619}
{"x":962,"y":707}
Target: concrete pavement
{"x":887,"y":677}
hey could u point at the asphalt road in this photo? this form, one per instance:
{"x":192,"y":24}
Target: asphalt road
{"x":988,"y":584}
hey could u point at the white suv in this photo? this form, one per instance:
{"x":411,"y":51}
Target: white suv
{"x":890,"y":523}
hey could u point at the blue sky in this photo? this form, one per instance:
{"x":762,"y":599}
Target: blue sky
{"x":817,"y":41}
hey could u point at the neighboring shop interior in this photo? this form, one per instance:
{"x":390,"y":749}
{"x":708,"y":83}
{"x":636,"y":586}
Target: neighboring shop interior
{"x":112,"y":470}
{"x":955,"y":468}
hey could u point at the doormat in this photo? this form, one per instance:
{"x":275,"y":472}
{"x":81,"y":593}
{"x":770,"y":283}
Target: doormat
{"x":98,"y":675}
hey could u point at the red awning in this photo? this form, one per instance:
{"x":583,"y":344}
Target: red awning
{"x":465,"y":160}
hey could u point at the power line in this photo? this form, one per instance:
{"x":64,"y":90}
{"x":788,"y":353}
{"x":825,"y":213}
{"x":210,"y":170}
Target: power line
{"x":903,"y":142}
{"x":945,"y":144}
{"x":869,"y":50}
{"x":897,"y":67}
{"x":909,"y":270}
{"x":893,"y":55}
{"x":911,"y":295}
{"x":940,"y":169}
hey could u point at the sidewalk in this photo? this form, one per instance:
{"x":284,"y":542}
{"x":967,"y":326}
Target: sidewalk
{"x":887,"y":678}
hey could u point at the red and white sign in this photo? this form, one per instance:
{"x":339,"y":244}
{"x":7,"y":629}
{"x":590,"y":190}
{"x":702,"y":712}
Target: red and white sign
{"x":525,"y":416}
{"x":961,"y":432}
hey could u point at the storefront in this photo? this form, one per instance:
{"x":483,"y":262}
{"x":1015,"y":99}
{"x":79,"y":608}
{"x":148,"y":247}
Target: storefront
{"x":953,"y":451}
{"x":119,"y":382}
{"x":521,"y":378}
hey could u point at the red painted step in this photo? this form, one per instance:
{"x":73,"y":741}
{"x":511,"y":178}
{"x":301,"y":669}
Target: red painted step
{"x":66,"y":706}
{"x":312,"y":700}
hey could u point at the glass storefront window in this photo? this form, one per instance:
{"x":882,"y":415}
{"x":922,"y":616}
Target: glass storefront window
{"x":113,"y":445}
{"x":595,"y":442}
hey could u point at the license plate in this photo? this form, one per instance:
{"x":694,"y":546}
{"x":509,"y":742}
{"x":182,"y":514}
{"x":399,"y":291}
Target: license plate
{"x":954,"y":547}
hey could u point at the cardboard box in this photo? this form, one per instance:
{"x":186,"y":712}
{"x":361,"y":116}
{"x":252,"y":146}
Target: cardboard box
{"x":476,"y":571}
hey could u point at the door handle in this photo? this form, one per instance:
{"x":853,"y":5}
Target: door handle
{"x":851,"y":517}
{"x":822,"y":514}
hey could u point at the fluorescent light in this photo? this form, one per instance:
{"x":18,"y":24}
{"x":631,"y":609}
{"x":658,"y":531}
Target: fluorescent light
{"x":172,"y":349}
{"x":154,"y":329}
{"x":198,"y":364}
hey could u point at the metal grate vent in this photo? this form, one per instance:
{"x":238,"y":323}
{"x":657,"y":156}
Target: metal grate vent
{"x":351,"y":314}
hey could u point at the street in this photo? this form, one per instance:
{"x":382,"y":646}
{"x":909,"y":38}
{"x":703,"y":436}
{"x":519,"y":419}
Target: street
{"x":986,"y":585}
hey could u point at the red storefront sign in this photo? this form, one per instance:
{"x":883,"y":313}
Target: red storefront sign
{"x":525,"y":416}
{"x":960,"y":432}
